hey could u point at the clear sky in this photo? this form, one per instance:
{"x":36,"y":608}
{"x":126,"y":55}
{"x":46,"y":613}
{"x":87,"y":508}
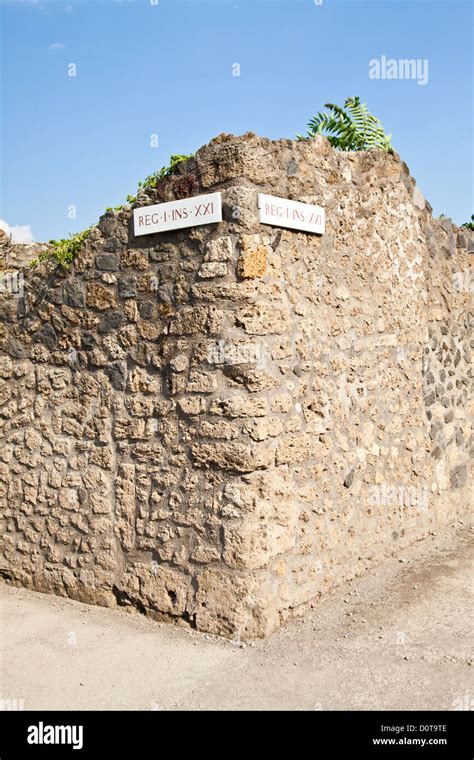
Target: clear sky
{"x":167,"y":69}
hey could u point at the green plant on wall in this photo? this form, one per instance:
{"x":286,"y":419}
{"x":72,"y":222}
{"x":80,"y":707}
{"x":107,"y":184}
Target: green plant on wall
{"x":352,"y":127}
{"x":153,"y":179}
{"x":469,"y":225}
{"x":165,"y":171}
{"x":63,"y":251}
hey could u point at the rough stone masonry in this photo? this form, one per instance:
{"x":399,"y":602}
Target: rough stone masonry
{"x":218,"y":424}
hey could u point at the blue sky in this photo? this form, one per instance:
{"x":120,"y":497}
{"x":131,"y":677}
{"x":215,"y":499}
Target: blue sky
{"x":167,"y":69}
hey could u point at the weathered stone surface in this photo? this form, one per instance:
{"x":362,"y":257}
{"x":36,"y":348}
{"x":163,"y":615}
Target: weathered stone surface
{"x":232,"y":456}
{"x":100,"y":297}
{"x":212,"y":269}
{"x":201,"y":382}
{"x":219,"y":250}
{"x":107,"y":261}
{"x":266,"y":427}
{"x":263,"y":320}
{"x":239,"y":406}
{"x":297,"y":447}
{"x":219,"y":423}
{"x":127,"y":287}
{"x":255,"y":380}
{"x":74,"y":294}
{"x":117,"y":374}
{"x":458,"y":476}
{"x":217,"y":429}
{"x":252,"y":261}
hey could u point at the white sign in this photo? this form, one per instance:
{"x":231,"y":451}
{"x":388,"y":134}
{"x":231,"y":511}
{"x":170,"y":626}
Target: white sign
{"x":281,"y":212}
{"x":190,"y":212}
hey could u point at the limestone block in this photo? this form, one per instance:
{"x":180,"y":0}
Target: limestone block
{"x":239,"y":406}
{"x":219,"y":249}
{"x":209,"y":269}
{"x":263,"y":320}
{"x":100,"y":297}
{"x":232,"y":455}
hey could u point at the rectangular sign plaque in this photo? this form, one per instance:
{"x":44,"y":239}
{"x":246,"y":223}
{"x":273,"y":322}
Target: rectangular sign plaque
{"x":281,"y":212}
{"x":189,"y":212}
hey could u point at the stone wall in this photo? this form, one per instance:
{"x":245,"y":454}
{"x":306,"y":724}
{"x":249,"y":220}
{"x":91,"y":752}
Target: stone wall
{"x":219,"y":423}
{"x":17,"y":256}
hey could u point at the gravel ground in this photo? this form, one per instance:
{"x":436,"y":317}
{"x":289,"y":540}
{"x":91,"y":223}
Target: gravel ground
{"x":398,"y":638}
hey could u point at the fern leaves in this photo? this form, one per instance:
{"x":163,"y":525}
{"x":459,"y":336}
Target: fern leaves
{"x":350,"y":128}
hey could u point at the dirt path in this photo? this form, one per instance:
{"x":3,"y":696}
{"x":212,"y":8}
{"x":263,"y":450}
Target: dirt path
{"x":398,"y":638}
